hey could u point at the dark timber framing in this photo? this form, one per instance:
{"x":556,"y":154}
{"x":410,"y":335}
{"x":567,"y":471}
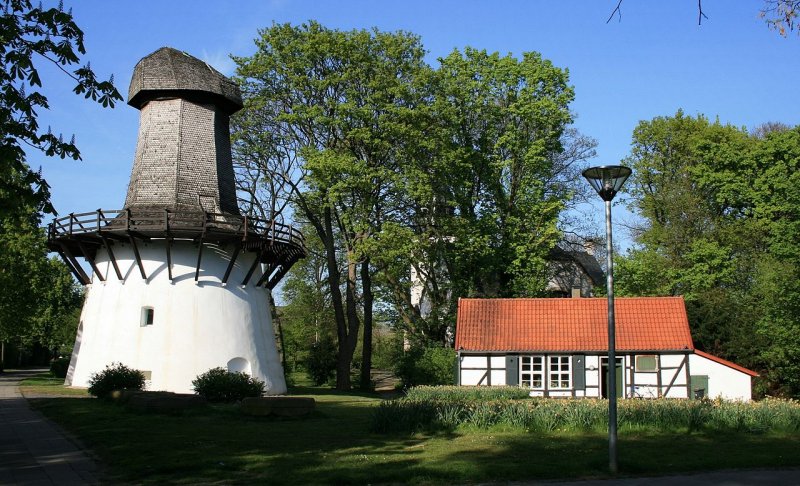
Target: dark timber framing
{"x":235,"y":254}
{"x":661,"y":374}
{"x":276,"y":245}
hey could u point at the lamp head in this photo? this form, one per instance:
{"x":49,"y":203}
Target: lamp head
{"x":607,"y":180}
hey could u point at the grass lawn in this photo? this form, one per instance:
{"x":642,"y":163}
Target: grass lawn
{"x":218,"y":445}
{"x":47,"y":385}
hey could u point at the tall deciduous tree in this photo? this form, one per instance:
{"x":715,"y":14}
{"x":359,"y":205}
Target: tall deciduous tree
{"x":720,"y":228}
{"x":484,"y":194}
{"x":40,"y":300}
{"x":459,"y":173}
{"x":331,"y":108}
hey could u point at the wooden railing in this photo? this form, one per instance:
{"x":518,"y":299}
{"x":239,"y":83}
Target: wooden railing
{"x":167,"y":223}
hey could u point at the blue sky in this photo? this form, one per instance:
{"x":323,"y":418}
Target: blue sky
{"x":651,"y":63}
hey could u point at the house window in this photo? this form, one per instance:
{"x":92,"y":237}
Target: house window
{"x":647,"y":362}
{"x":560,"y":372}
{"x":536,"y":371}
{"x":148,"y":315}
{"x":532,"y":372}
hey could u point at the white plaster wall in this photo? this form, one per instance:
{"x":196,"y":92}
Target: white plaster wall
{"x":723,"y":381}
{"x":473,"y":362}
{"x":197,"y":325}
{"x":472,"y":377}
{"x":498,"y":377}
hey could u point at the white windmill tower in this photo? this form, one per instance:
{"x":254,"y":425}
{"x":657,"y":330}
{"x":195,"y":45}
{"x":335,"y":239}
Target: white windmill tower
{"x":181,"y":281}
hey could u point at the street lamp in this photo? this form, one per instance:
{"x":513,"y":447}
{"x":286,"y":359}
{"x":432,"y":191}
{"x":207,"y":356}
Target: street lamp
{"x":607,"y":180}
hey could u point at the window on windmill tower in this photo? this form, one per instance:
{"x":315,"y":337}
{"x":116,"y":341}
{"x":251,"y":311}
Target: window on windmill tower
{"x":148,"y":314}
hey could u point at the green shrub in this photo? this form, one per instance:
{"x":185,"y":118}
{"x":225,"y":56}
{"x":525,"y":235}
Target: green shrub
{"x":427,"y":366}
{"x":115,"y":376}
{"x":220,"y":385}
{"x":387,"y":349}
{"x":321,"y":361}
{"x":59,"y":367}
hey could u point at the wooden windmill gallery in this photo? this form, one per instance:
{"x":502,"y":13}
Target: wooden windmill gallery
{"x":180,"y":279}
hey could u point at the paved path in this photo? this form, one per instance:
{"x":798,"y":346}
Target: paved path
{"x":33,"y":450}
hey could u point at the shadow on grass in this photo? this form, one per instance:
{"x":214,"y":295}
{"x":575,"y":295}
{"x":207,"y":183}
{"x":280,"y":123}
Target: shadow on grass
{"x":335,"y":446}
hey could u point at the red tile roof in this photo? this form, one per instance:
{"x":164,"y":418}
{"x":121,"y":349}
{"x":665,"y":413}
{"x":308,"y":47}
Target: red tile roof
{"x":576,"y":324}
{"x":725,"y":362}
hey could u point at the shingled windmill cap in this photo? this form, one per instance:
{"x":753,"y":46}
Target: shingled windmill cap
{"x":169,"y":72}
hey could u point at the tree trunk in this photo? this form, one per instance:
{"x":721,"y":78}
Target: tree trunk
{"x":348,"y":347}
{"x":343,"y":358}
{"x":366,"y":350}
{"x":277,"y":320}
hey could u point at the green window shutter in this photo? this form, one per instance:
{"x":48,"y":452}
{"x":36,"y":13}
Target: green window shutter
{"x":512,"y":370}
{"x":579,"y":371}
{"x":699,"y":386}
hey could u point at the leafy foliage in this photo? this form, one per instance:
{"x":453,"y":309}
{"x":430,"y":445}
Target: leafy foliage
{"x":40,"y":301}
{"x":220,"y":385}
{"x":321,"y":361}
{"x":460,"y":172}
{"x":720,"y":228}
{"x":431,"y":365}
{"x":115,"y":376}
{"x":30,"y":34}
{"x":781,"y":15}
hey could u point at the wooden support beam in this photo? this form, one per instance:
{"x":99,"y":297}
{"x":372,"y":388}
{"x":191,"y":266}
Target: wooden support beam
{"x":685,"y":362}
{"x":252,"y":268}
{"x":169,"y":258}
{"x":236,"y":251}
{"x":199,"y":258}
{"x":137,"y":256}
{"x":76,"y":268}
{"x":278,"y":276}
{"x":169,"y":243}
{"x":267,"y":272}
{"x":110,"y":255}
{"x":90,"y":259}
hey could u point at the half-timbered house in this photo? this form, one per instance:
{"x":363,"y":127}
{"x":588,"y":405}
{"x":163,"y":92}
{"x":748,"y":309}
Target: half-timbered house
{"x":558,"y":347}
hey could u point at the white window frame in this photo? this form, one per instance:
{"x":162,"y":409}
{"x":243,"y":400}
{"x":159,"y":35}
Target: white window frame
{"x":528,"y":374}
{"x":537,"y":367}
{"x":562,"y":372}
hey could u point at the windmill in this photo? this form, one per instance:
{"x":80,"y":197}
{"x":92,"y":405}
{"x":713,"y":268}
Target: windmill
{"x":180,"y":280}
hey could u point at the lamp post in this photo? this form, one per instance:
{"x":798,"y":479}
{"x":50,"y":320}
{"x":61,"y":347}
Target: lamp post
{"x":607,"y":180}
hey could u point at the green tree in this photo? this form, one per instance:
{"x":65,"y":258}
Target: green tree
{"x":307,"y":317}
{"x":30,"y":35}
{"x":719,"y":212}
{"x":484,"y":194}
{"x":776,"y":209}
{"x":326,"y":111}
{"x":40,"y":300}
{"x":687,"y":186}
